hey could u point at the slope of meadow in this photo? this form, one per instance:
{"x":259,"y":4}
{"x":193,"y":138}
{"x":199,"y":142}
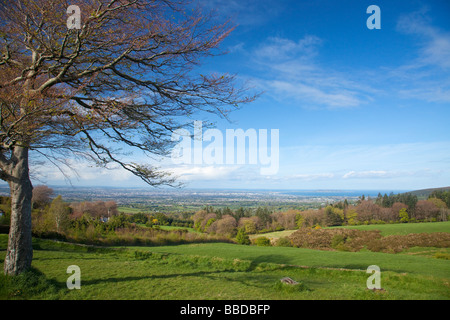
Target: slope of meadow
{"x":224,"y":271}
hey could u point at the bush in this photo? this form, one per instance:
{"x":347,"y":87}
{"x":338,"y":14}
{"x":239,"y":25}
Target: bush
{"x":50,"y":235}
{"x":242,"y":237}
{"x":262,"y":242}
{"x":442,"y":255}
{"x":403,"y":215}
{"x":355,"y":240}
{"x":338,"y":242}
{"x":398,"y":243}
{"x":283,"y":242}
{"x":329,"y":239}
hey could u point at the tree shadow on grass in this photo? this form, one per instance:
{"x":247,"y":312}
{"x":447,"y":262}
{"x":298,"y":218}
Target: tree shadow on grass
{"x":261,"y":263}
{"x":160,"y":276}
{"x":31,"y":284}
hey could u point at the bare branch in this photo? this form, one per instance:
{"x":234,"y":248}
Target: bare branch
{"x":126,"y":78}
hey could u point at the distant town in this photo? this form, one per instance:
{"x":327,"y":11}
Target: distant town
{"x":174,"y":200}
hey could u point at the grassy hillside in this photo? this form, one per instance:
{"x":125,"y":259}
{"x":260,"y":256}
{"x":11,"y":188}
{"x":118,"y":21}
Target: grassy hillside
{"x":424,"y":193}
{"x":314,"y":258}
{"x":222,"y":271}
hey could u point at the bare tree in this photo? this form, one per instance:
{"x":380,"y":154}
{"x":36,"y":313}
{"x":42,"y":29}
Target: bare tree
{"x":426,"y":210}
{"x":126,"y":77}
{"x":59,"y":213}
{"x":111,"y":208}
{"x":41,"y":196}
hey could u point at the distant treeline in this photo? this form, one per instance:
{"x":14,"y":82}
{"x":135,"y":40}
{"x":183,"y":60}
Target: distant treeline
{"x":400,"y":208}
{"x":101,"y":220}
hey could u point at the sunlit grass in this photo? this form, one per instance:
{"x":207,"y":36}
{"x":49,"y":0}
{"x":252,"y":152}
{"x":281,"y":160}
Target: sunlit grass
{"x":224,"y":271}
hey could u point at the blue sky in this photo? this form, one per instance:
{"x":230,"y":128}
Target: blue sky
{"x":355,"y":108}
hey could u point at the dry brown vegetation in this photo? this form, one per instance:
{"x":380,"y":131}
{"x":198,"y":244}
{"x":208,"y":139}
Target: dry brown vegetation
{"x":355,"y":240}
{"x":398,"y":243}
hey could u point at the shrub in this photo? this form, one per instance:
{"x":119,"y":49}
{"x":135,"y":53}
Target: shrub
{"x":403,"y":215}
{"x":398,"y":243}
{"x":338,"y":241}
{"x":262,"y":241}
{"x":329,"y":239}
{"x":442,"y":255}
{"x":355,"y":240}
{"x":242,"y":237}
{"x":142,"y":255}
{"x":283,"y":242}
{"x":50,"y":235}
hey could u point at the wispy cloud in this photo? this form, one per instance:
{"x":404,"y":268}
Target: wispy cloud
{"x":434,"y":43}
{"x":292,"y":70}
{"x":365,"y":165}
{"x":244,"y":13}
{"x":276,"y":49}
{"x":293,"y":73}
{"x":426,"y":77}
{"x":80,"y":171}
{"x":315,"y":95}
{"x":312,"y":176}
{"x":196,"y":173}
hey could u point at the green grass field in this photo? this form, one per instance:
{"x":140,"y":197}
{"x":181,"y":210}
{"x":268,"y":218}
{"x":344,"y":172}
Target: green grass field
{"x":226,"y":271}
{"x":400,"y":263}
{"x":177,"y":228}
{"x":129,"y":210}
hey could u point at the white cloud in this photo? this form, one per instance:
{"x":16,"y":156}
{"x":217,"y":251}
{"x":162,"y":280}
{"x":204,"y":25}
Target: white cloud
{"x":278,"y":49}
{"x":313,"y":176}
{"x":315,"y":94}
{"x":399,"y":166}
{"x":366,"y":174}
{"x":81,"y":172}
{"x":292,"y":70}
{"x":188,"y":172}
{"x":293,"y":73}
{"x":426,"y":77}
{"x":435,"y":44}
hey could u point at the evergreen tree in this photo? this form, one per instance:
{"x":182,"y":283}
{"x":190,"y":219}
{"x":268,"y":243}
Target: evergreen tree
{"x":332,"y":217}
{"x":242,"y":237}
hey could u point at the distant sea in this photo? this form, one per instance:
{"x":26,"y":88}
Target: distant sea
{"x":340,"y":193}
{"x":4,"y":189}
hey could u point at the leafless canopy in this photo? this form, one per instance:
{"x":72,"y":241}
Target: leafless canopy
{"x":127,"y":77}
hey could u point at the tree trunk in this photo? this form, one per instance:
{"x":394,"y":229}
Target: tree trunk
{"x":20,"y":250}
